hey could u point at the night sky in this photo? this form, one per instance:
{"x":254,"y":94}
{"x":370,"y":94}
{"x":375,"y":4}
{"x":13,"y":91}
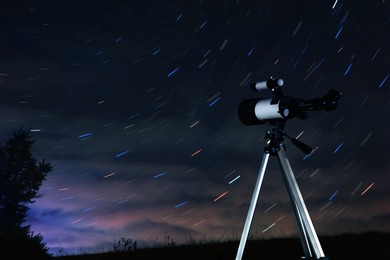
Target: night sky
{"x":134,"y":103}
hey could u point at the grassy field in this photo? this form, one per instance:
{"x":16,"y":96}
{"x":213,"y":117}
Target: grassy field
{"x":347,"y":247}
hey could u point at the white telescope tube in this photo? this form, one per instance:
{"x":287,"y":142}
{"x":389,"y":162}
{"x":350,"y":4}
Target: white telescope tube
{"x":265,"y":110}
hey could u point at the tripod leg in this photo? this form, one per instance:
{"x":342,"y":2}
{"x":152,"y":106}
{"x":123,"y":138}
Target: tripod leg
{"x":306,"y":228}
{"x":303,"y":235}
{"x":252,"y":207}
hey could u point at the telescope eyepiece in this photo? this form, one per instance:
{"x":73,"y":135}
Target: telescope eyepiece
{"x":328,"y":102}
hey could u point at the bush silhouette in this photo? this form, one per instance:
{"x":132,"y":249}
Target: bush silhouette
{"x":21,"y":176}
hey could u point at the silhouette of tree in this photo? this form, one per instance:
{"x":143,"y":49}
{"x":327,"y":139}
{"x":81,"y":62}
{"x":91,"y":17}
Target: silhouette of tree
{"x":20,"y":179}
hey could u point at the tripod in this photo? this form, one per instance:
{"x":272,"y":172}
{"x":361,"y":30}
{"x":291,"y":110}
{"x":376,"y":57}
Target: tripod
{"x":309,"y":240}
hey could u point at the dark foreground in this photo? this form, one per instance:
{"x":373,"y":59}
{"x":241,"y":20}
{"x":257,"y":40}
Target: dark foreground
{"x":346,"y":247}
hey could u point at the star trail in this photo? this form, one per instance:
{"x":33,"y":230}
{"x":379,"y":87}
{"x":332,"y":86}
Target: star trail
{"x":134,"y":103}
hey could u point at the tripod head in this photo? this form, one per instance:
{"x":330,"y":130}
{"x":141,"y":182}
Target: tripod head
{"x":275,"y":141}
{"x":277,"y":110}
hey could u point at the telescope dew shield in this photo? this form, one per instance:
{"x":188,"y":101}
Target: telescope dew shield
{"x":259,"y":111}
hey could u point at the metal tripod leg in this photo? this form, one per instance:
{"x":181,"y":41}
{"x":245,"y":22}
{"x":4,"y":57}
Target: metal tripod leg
{"x":302,"y":233}
{"x":309,"y":239}
{"x":252,"y":207}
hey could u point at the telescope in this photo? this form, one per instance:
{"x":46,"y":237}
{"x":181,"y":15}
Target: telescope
{"x":278,"y":109}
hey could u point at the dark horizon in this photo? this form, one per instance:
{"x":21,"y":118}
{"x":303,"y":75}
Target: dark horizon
{"x":363,"y":246}
{"x":135,"y":106}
